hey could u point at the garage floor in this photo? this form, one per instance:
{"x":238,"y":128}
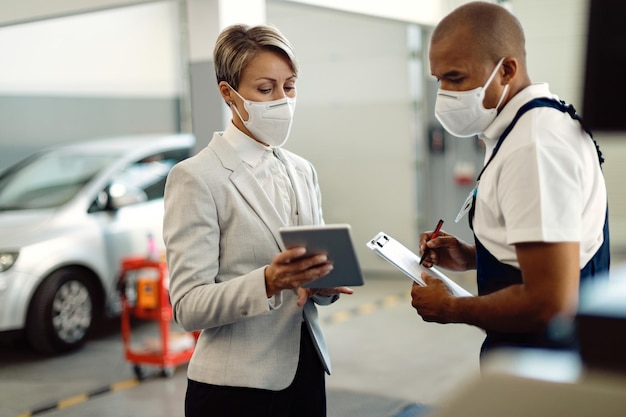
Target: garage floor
{"x":387,"y":362}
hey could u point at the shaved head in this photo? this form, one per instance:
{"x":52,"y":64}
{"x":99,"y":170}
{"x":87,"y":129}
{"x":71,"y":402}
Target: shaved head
{"x":491,"y":31}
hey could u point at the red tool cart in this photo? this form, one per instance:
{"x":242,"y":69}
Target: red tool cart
{"x":144,"y":295}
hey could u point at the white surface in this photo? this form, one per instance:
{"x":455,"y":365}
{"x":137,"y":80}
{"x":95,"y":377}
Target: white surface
{"x":127,"y":51}
{"x":408,"y":262}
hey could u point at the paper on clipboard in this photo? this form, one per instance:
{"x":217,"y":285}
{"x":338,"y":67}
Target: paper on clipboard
{"x":406,"y":261}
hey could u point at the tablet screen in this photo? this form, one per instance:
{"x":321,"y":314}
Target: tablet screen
{"x":335,"y":241}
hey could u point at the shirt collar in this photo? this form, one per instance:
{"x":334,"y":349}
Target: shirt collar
{"x":491,"y":135}
{"x":249,"y":150}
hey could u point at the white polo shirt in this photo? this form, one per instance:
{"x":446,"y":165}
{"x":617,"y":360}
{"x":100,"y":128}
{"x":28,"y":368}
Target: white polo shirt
{"x":544,"y":184}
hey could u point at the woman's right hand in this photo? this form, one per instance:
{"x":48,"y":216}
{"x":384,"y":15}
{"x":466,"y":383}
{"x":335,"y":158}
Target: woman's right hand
{"x":289,"y":270}
{"x":447,"y":251}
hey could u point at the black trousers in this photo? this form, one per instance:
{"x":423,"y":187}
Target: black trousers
{"x":305,"y":397}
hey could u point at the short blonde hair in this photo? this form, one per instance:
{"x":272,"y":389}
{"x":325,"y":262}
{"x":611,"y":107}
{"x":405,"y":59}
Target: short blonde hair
{"x":238,"y":44}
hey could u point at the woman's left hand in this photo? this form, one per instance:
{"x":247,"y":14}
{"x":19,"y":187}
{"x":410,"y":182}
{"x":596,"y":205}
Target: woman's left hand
{"x":305,"y":293}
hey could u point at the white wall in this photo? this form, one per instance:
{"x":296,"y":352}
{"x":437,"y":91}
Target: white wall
{"x":556,"y":39}
{"x":116,"y":71}
{"x":119,"y":52}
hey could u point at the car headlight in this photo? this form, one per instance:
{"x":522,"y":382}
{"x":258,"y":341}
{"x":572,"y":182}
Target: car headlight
{"x":7,"y":259}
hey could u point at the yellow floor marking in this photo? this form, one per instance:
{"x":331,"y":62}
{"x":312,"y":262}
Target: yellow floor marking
{"x":129,"y":383}
{"x":68,"y":402}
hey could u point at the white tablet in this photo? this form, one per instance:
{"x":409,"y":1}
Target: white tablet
{"x":408,"y":262}
{"x":333,"y":240}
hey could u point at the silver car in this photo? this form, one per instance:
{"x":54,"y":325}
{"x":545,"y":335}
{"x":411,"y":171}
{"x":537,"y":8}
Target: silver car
{"x":68,"y":215}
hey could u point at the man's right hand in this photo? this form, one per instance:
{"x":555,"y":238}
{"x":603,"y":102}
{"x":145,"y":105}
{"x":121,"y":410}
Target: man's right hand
{"x":447,"y":251}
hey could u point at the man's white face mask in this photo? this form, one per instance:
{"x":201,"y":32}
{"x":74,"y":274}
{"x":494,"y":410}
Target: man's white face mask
{"x":462,"y":113}
{"x":269,"y":121}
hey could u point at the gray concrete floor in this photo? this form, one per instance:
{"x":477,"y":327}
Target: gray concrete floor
{"x":386,"y":360}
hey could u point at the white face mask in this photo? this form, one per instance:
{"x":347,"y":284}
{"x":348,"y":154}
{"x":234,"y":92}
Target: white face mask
{"x":269,"y":121}
{"x":462,"y":112}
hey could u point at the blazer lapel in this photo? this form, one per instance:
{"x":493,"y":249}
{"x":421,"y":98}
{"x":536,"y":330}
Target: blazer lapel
{"x":248,"y":187}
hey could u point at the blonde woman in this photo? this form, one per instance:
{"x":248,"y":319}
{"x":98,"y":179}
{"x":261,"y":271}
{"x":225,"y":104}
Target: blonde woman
{"x":261,"y":351}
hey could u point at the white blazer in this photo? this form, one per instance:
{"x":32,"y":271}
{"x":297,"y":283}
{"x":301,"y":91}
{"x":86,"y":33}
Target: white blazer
{"x":220,"y":232}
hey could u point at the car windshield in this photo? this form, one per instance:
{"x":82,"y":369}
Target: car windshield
{"x":48,"y":179}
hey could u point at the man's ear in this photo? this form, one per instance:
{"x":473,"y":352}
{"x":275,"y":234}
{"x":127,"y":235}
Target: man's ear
{"x":509,"y":69}
{"x":225,"y":92}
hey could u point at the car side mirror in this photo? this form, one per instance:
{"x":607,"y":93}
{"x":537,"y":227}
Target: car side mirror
{"x":122,"y":195}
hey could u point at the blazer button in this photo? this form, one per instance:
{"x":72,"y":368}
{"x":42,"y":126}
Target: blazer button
{"x":244,"y":312}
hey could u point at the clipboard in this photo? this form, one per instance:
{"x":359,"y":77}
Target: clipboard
{"x":335,"y":241}
{"x":408,"y":262}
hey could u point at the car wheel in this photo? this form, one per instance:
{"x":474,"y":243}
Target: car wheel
{"x":61,"y":313}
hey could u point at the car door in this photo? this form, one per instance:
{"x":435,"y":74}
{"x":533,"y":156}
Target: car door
{"x":132,"y":221}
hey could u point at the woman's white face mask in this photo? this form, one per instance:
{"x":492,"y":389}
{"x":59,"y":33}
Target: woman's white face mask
{"x":462,"y":113}
{"x":269,"y":121}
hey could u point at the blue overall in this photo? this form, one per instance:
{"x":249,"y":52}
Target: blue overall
{"x":493,"y":275}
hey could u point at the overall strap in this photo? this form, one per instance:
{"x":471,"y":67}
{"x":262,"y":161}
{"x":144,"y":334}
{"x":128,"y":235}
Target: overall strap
{"x":569,"y":109}
{"x":541,"y":102}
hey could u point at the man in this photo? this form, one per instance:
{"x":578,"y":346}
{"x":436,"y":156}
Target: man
{"x":539,"y":208}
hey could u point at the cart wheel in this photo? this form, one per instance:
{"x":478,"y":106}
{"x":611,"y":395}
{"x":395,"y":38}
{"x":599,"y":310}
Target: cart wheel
{"x":168,"y":371}
{"x":140,"y":373}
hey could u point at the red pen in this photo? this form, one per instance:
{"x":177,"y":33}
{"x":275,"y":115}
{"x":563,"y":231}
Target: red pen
{"x":432,"y":236}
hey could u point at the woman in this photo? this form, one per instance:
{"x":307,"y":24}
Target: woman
{"x":261,"y":351}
